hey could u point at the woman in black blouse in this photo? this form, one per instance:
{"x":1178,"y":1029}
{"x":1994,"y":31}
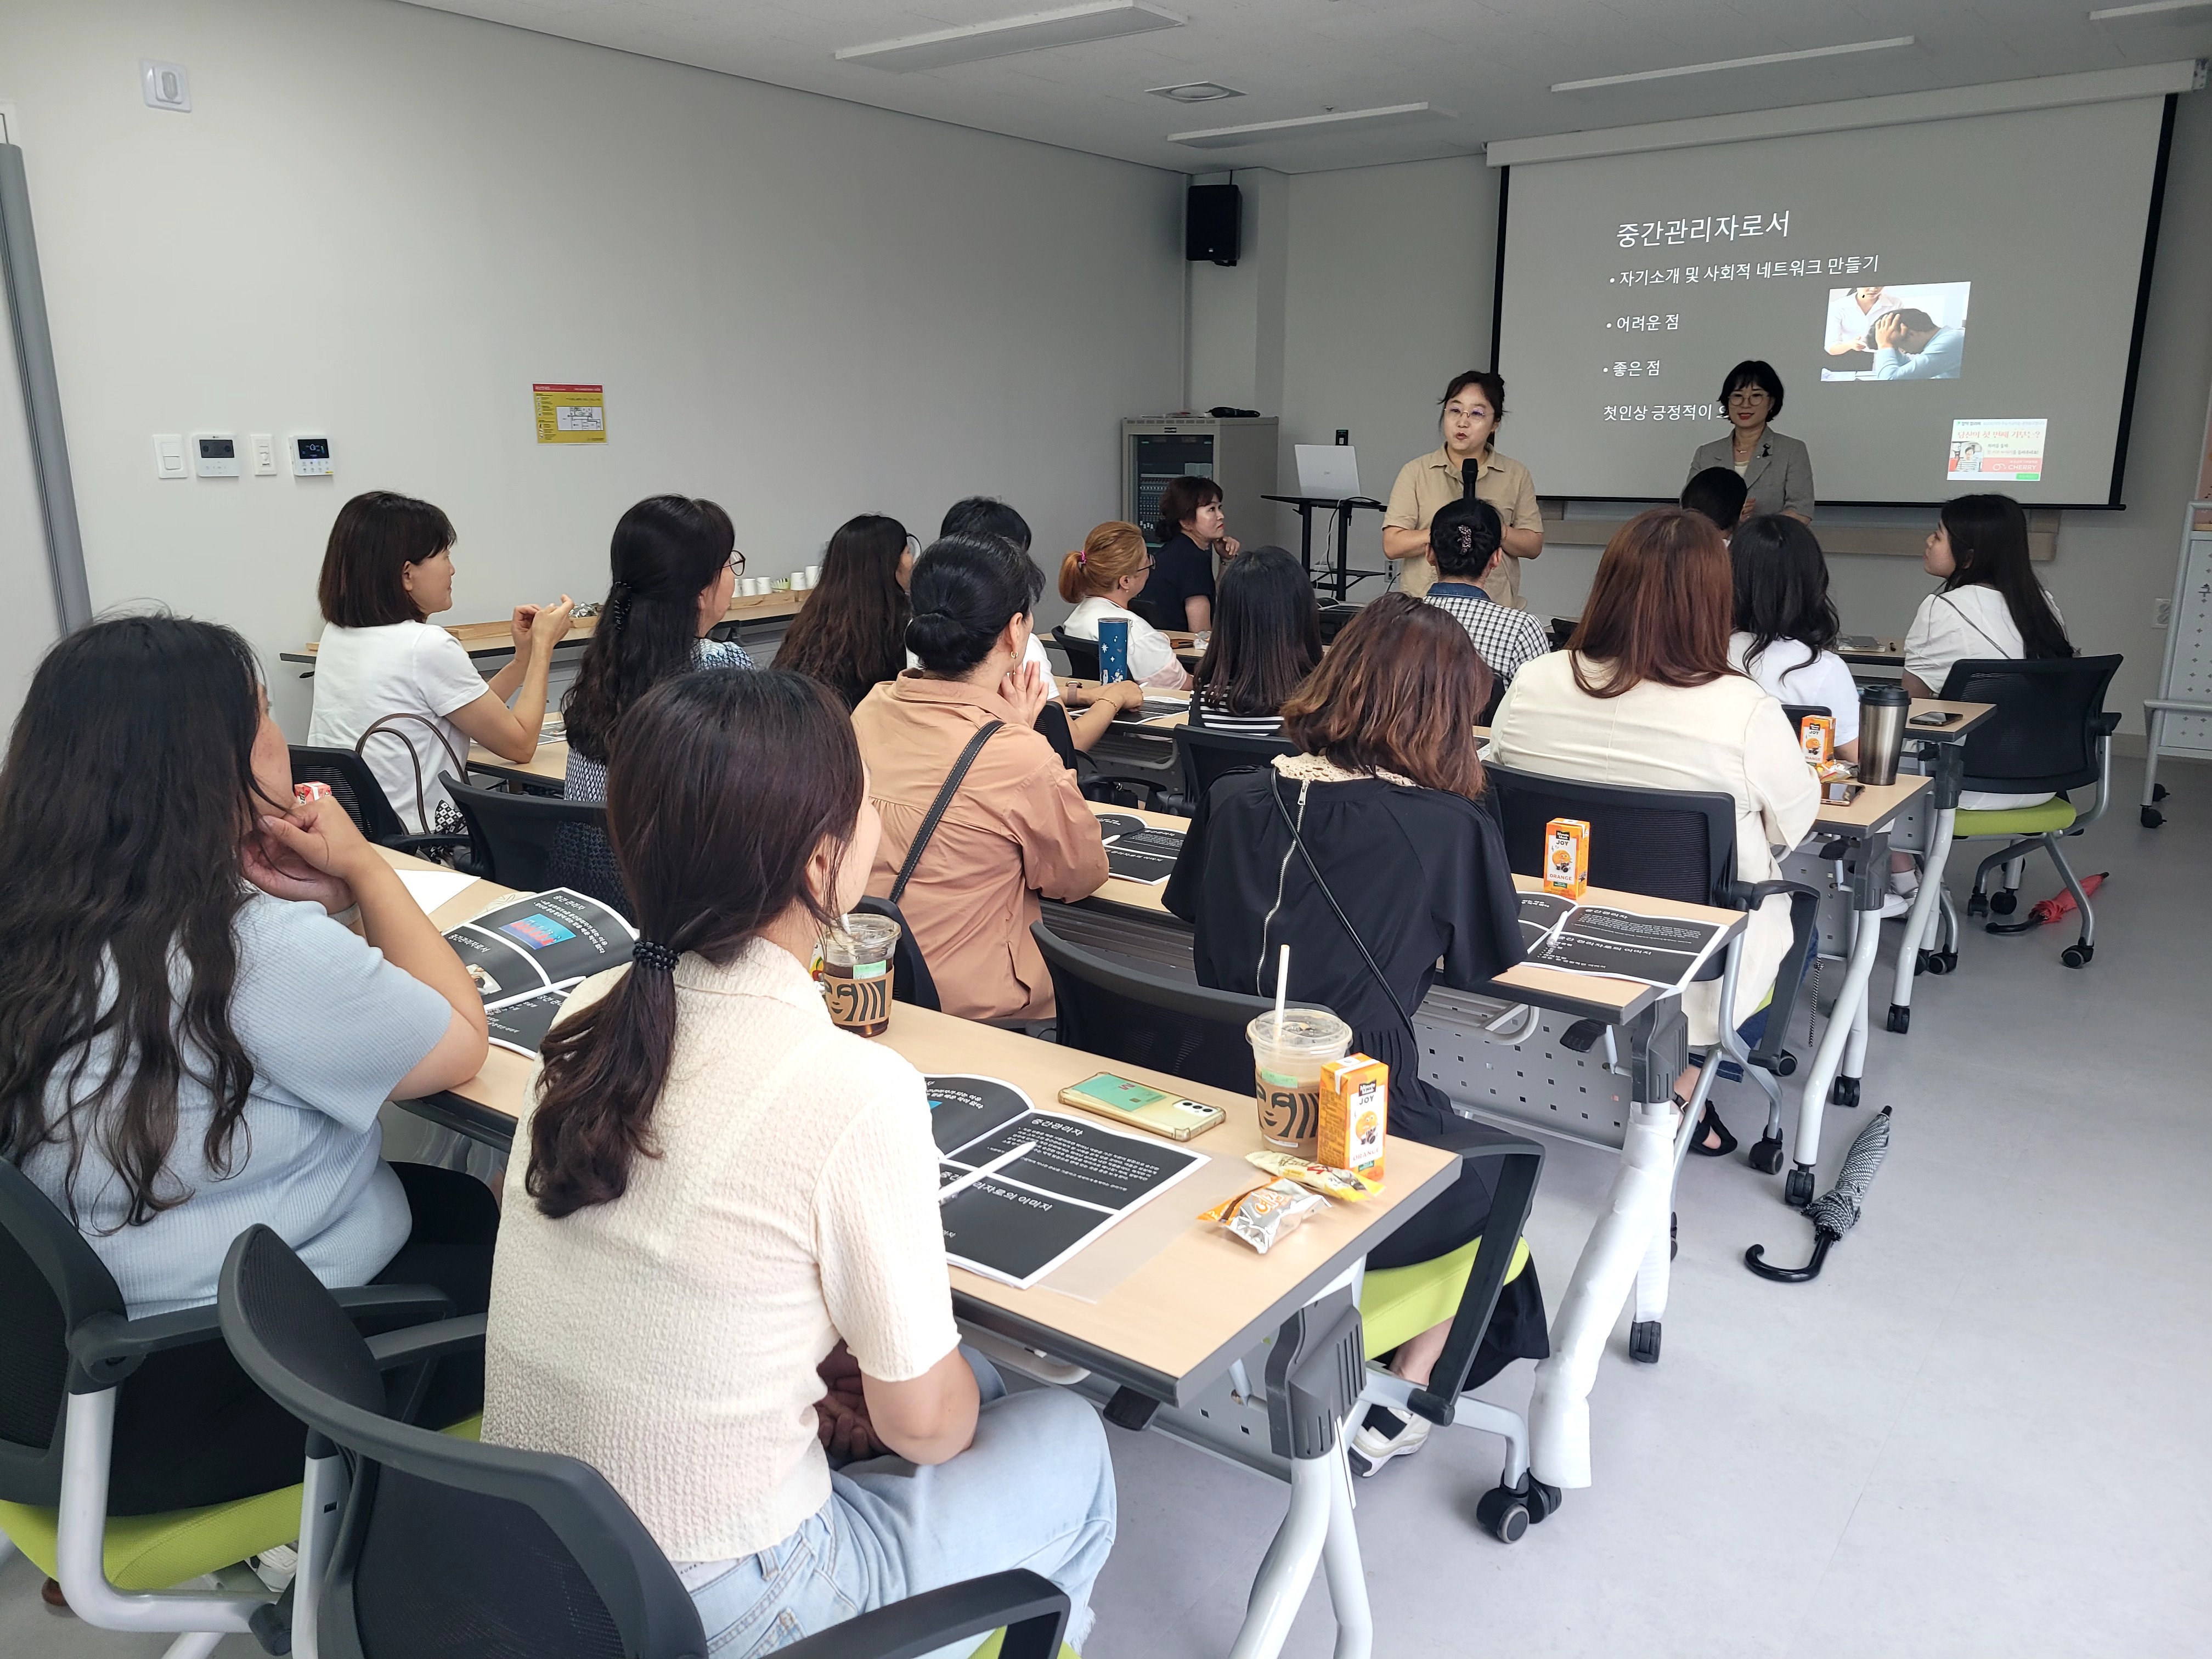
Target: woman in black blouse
{"x":1384,"y":793}
{"x":1191,"y":531}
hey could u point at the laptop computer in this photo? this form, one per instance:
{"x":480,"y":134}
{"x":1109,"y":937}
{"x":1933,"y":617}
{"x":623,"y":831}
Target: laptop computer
{"x":1328,"y":471}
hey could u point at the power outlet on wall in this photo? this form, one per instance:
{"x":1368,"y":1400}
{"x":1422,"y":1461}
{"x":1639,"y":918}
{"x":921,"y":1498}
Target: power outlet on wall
{"x":2161,"y":612}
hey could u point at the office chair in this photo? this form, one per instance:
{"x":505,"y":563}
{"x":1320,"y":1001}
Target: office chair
{"x":910,"y":980}
{"x":363,"y":798}
{"x":1208,"y":756}
{"x":134,"y":1455}
{"x":1082,"y":654}
{"x":1094,"y":780}
{"x":447,"y":1545}
{"x":1113,"y":1010}
{"x":2050,"y":731}
{"x":532,"y":842}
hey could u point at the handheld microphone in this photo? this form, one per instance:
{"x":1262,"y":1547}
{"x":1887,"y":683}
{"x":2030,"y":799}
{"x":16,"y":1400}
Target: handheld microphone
{"x":1467,"y":476}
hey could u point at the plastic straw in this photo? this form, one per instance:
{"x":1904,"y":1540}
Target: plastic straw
{"x":1282,"y":985}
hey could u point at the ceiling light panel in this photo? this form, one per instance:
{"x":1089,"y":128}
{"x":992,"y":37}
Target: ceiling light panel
{"x":1036,"y":30}
{"x":1759,"y":61}
{"x":1306,"y":125}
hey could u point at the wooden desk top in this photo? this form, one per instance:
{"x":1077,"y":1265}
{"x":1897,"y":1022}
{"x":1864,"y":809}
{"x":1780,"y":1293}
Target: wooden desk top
{"x":1876,"y":807}
{"x":1971,"y":714}
{"x":1179,"y":1317}
{"x":497,"y":639}
{"x":548,"y":765}
{"x":1139,"y":896}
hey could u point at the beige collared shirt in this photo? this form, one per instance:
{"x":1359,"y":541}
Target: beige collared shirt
{"x":1018,"y":828}
{"x":1426,"y":485}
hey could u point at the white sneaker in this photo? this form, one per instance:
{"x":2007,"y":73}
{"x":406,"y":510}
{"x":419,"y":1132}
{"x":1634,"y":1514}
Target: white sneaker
{"x":1384,"y":1433}
{"x":1895,"y":905}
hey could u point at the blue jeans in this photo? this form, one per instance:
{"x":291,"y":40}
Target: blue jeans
{"x":1036,"y":1490}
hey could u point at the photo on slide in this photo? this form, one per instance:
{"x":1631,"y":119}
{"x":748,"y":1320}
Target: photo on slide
{"x":1897,"y":331}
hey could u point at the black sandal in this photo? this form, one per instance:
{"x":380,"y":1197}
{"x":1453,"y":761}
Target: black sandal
{"x":1711,"y":1124}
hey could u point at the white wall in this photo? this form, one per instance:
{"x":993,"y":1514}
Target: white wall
{"x":388,"y":222}
{"x":1388,"y":293}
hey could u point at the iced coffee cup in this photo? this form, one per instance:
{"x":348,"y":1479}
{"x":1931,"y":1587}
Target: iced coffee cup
{"x":1288,"y":1051}
{"x":857,"y":975}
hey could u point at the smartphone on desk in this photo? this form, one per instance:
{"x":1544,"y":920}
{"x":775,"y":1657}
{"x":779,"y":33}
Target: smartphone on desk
{"x":1932,"y":717}
{"x":1127,"y":1101}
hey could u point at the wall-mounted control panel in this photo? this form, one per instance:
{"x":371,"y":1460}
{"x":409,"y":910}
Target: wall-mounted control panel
{"x":312,"y":457}
{"x":214,"y":454}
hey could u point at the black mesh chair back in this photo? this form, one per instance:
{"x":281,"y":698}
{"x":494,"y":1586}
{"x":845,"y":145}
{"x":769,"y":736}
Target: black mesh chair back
{"x":535,"y":841}
{"x":354,"y":784}
{"x":1153,"y":612}
{"x":2044,"y":734}
{"x":1334,"y":618}
{"x":1561,"y":629}
{"x":1209,"y":756}
{"x":1107,"y":1008}
{"x":1668,"y":843}
{"x":910,"y":980}
{"x":1082,"y":654}
{"x":1795,"y":714}
{"x":51,"y":1282}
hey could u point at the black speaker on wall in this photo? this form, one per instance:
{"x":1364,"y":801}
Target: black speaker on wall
{"x":1210,"y":216}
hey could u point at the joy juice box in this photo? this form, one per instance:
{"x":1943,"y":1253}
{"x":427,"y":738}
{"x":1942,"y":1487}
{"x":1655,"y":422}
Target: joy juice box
{"x":1355,"y":1115}
{"x":1566,"y":857}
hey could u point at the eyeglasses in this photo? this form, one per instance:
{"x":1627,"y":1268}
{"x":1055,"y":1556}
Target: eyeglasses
{"x":1750,"y":395}
{"x":737,"y":562}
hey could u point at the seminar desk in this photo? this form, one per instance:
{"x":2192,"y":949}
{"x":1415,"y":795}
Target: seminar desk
{"x":486,"y":640}
{"x":1170,"y":1304}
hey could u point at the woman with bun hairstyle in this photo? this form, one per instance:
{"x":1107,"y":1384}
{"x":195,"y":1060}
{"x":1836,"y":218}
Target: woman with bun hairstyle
{"x":1099,"y":580}
{"x":1016,"y":827}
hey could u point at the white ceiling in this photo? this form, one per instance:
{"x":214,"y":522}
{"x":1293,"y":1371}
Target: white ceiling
{"x":1489,"y":64}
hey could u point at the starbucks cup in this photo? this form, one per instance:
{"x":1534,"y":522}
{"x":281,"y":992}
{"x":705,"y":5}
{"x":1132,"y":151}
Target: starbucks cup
{"x":1288,"y":1051}
{"x":857,"y":974}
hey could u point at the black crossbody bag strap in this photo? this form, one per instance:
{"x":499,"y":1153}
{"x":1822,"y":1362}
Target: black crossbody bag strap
{"x":936,"y":812}
{"x":1297,"y":839}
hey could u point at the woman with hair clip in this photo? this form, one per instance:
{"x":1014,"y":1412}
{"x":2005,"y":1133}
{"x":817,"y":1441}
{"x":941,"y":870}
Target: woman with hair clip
{"x":1013,"y":824}
{"x":1267,"y":638}
{"x":1099,"y":578}
{"x":192,"y":1040}
{"x":1369,"y":853}
{"x":675,"y":563}
{"x":1466,"y":464}
{"x":1786,"y":625}
{"x":1180,"y":592}
{"x":851,"y":635}
{"x":1466,"y":550}
{"x":1643,"y":694}
{"x":403,"y":693}
{"x":721,"y":1268}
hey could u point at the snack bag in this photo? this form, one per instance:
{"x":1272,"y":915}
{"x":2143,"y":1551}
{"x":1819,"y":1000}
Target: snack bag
{"x":1355,"y":1112}
{"x":1817,"y":733}
{"x":1263,"y":1216}
{"x":1566,"y":857}
{"x":1345,"y":1184}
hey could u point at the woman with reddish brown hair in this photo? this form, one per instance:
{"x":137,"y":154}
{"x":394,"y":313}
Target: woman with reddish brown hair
{"x":1643,"y":694}
{"x":1368,"y":854}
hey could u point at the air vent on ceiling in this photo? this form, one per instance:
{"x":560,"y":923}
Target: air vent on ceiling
{"x":1195,"y":91}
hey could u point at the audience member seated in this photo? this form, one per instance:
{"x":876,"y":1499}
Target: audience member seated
{"x":1099,"y":580}
{"x":384,"y":674}
{"x":721,"y":1279}
{"x":192,"y":1039}
{"x":674,"y":564}
{"x":1267,"y":638}
{"x":1384,"y":798}
{"x":1786,"y":625}
{"x":1465,"y":544}
{"x":1016,"y":826}
{"x":851,"y":633}
{"x":1720,"y":494}
{"x":1644,"y":696}
{"x":1180,"y":592}
{"x":982,"y":515}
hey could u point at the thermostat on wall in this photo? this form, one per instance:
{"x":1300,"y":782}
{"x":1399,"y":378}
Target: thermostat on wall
{"x":311,"y":457}
{"x":216,"y":455}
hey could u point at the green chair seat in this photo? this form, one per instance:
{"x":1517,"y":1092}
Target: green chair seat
{"x":1396,"y":1304}
{"x":159,"y":1552}
{"x":997,"y":1638}
{"x":2046,"y":818}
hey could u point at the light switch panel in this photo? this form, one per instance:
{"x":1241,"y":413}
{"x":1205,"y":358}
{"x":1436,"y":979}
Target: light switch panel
{"x":169,"y":456}
{"x":263,"y":448}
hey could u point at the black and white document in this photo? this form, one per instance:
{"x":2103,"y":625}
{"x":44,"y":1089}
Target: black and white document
{"x":1069,"y":1179}
{"x":1139,"y":852}
{"x":1594,"y":938}
{"x":528,"y":954}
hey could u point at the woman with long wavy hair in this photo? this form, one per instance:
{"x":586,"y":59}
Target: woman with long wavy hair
{"x":720,"y":1260}
{"x":851,"y":635}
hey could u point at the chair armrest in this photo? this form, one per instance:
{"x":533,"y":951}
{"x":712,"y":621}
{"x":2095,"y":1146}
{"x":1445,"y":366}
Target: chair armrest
{"x":1032,"y":1610}
{"x":1750,"y":895}
{"x":414,"y":1343}
{"x":1473,"y":1141}
{"x":1513,"y":1196}
{"x":418,"y":845}
{"x":107,"y":1348}
{"x":2106,"y":724}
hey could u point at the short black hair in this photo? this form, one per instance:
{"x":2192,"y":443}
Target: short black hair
{"x":1718,"y":493}
{"x":376,"y":537}
{"x":1181,"y":498}
{"x":1464,"y":536}
{"x":1914,"y":319}
{"x":1753,"y":371}
{"x":985,"y":515}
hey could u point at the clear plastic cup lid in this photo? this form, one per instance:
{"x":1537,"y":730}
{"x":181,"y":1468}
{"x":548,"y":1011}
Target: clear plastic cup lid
{"x":1299,"y":1028}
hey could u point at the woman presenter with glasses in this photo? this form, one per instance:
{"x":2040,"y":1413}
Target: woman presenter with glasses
{"x":1776,"y":471}
{"x":1467,"y":462}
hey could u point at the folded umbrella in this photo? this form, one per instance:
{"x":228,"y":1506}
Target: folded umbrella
{"x":1836,"y":1212}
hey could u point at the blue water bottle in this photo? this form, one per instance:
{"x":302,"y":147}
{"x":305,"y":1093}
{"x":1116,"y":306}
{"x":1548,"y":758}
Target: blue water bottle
{"x":1113,"y":649}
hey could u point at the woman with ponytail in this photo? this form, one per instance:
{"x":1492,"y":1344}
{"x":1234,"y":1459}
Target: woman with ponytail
{"x":1099,"y":578}
{"x":721,"y":1267}
{"x":674,"y":565}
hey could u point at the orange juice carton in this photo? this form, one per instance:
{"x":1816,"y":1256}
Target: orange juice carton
{"x":1355,"y":1115}
{"x":1566,"y":857}
{"x":1818,"y":733}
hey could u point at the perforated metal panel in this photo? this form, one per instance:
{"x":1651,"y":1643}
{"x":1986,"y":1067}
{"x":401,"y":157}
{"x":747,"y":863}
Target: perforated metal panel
{"x":2188,"y":652}
{"x":1538,"y":1084}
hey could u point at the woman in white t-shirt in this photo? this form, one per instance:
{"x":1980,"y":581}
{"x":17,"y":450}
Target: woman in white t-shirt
{"x":383,"y":668}
{"x":721,"y":1279}
{"x":1100,"y":579}
{"x":1990,"y":605}
{"x":1786,"y":624}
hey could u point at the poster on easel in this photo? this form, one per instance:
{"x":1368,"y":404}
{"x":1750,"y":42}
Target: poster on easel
{"x":570,"y":414}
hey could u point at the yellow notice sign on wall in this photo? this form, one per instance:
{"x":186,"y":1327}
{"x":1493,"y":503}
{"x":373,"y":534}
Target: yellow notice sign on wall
{"x":571,"y":413}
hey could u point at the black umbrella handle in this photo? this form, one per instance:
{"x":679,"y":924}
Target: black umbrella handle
{"x":1755,"y":1259}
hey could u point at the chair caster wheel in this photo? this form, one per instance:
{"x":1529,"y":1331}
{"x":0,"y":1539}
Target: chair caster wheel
{"x":1845,"y":1091}
{"x":2004,"y":901}
{"x":1766,"y":1155}
{"x":1978,"y":905}
{"x":2078,"y":956}
{"x":1543,"y":1499}
{"x":1920,"y":962}
{"x":1501,"y":1513}
{"x":1901,"y":1018}
{"x":2152,"y":817}
{"x":1785,"y":1064}
{"x":1644,"y":1341}
{"x":1797,"y":1189}
{"x":1942,"y":961}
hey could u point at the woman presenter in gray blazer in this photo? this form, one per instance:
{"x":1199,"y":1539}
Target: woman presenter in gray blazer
{"x":1777,"y":472}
